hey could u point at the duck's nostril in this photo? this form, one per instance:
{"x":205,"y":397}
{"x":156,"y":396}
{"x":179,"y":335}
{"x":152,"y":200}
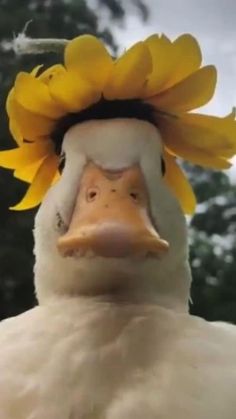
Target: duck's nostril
{"x":91,"y":194}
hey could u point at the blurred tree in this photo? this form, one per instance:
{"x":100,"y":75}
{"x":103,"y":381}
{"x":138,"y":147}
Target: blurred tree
{"x":213,"y":246}
{"x":51,"y":18}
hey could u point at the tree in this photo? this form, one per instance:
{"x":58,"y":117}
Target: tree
{"x":213,"y":246}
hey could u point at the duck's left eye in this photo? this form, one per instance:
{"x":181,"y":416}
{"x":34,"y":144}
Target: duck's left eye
{"x":62,"y":162}
{"x":163,"y":166}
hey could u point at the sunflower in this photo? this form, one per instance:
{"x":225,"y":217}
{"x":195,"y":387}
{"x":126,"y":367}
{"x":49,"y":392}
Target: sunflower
{"x":168,"y":75}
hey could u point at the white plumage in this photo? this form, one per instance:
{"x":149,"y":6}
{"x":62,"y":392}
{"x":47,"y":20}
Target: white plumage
{"x":112,"y":338}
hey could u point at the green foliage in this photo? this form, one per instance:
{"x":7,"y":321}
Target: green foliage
{"x":213,"y":247}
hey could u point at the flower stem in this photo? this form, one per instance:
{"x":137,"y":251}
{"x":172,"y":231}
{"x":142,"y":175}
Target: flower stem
{"x":25,"y":45}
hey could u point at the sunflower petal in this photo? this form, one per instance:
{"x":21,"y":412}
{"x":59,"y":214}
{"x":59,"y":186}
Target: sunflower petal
{"x":25,"y":155}
{"x":33,"y":95}
{"x":179,"y":185}
{"x":212,"y":132}
{"x":14,"y":127}
{"x":129,"y":74}
{"x":51,"y":72}
{"x":160,"y":49}
{"x":172,"y":62}
{"x":16,"y":132}
{"x":36,"y":69}
{"x":10,"y":101}
{"x":41,"y":183}
{"x":188,"y":141}
{"x":193,"y":92}
{"x":31,"y":125}
{"x":88,"y":57}
{"x":186,"y":59}
{"x":71,"y":92}
{"x":28,"y":172}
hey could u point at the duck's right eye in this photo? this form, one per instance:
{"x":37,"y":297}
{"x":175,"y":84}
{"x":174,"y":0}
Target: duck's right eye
{"x":62,"y":162}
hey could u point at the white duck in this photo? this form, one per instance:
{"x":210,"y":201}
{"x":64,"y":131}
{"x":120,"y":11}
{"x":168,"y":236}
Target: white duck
{"x":112,"y":337}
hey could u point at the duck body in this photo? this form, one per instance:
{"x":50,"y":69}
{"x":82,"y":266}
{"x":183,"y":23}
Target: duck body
{"x":112,"y":337}
{"x":83,"y":358}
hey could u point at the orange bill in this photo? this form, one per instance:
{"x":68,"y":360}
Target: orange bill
{"x":111,"y":216}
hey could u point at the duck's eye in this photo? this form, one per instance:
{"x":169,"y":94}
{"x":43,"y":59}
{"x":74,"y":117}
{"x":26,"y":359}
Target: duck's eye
{"x":134,"y":195}
{"x":163,"y":166}
{"x":62,"y":162}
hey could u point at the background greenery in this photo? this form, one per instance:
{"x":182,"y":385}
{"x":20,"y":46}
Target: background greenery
{"x":212,"y":230}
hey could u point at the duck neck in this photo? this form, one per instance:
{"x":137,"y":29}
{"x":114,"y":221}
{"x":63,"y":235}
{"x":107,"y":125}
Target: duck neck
{"x":170,"y":291}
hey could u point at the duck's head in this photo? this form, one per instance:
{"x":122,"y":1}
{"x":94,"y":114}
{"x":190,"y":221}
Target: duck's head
{"x":110,"y":225}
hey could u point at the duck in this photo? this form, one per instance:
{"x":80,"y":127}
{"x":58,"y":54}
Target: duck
{"x":111,"y":337}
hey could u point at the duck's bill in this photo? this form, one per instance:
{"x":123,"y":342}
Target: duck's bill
{"x":111,"y":216}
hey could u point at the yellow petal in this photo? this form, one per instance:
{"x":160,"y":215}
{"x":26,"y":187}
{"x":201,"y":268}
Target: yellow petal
{"x":56,"y":177}
{"x":88,"y":57}
{"x":25,"y":155}
{"x":36,"y":69}
{"x":213,"y":135}
{"x":41,"y":183}
{"x":14,"y":128}
{"x":162,"y":66}
{"x":15,"y":131}
{"x":186,"y":59}
{"x":179,"y":185}
{"x":31,"y":125}
{"x":129,"y":74}
{"x":193,"y":92}
{"x":33,"y":95}
{"x":10,"y":101}
{"x":28,"y":172}
{"x":172,"y":62}
{"x":187,"y":141}
{"x":51,"y":72}
{"x":212,"y":132}
{"x":71,"y":92}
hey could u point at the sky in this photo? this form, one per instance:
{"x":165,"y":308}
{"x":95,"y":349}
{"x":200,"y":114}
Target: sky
{"x":212,"y":22}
